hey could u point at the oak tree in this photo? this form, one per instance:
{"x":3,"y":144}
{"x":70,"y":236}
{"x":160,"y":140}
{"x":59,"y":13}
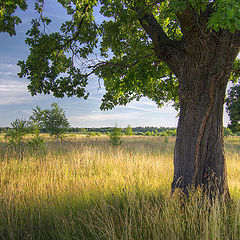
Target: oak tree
{"x":167,"y":50}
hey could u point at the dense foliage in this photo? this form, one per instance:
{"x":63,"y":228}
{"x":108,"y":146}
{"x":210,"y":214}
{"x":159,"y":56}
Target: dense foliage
{"x":126,"y":60}
{"x":154,"y":131}
{"x":7,"y":18}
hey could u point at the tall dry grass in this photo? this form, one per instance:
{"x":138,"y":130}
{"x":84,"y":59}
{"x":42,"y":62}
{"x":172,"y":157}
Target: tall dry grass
{"x":84,"y":188}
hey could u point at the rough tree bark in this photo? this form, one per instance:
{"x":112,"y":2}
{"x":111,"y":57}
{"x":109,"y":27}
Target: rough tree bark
{"x":199,"y":150}
{"x":202,"y":61}
{"x":199,"y":158}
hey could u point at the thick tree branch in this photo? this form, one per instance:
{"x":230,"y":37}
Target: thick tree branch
{"x":165,"y":49}
{"x":194,"y":23}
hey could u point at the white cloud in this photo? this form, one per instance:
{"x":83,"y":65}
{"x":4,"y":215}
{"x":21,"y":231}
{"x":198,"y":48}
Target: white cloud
{"x":12,"y":89}
{"x":148,"y":102}
{"x":139,"y":108}
{"x":105,"y":117}
{"x":12,"y":86}
{"x":150,"y":106}
{"x":27,"y":112}
{"x":9,"y":68}
{"x":97,"y":99}
{"x":13,"y":92}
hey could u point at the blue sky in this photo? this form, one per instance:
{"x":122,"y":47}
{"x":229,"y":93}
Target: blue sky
{"x":16,"y":101}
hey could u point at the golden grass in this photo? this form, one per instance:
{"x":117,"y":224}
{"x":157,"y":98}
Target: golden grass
{"x":84,"y":188}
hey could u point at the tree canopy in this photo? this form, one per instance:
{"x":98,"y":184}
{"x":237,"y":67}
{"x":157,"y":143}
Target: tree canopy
{"x":120,"y":48}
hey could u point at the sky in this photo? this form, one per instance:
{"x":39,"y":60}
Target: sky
{"x":17,"y":103}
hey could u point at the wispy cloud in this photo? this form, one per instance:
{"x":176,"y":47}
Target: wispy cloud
{"x":7,"y":66}
{"x":139,"y":108}
{"x":105,"y":117}
{"x":148,"y":102}
{"x":13,"y":92}
{"x":27,"y":112}
{"x":12,"y":89}
{"x":149,"y":106}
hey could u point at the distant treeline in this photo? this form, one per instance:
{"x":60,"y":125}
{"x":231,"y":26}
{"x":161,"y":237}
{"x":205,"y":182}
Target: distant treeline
{"x":106,"y":130}
{"x":147,"y":131}
{"x":135,"y":130}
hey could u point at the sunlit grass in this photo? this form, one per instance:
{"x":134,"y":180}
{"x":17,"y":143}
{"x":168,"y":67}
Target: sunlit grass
{"x":84,"y":188}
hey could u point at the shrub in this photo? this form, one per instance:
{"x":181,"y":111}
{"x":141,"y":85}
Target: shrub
{"x":91,"y":134}
{"x":35,"y":145}
{"x":166,"y":139}
{"x":128,"y":130}
{"x":115,"y":136}
{"x":15,"y":135}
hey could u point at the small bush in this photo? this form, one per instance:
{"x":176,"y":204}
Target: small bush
{"x":15,"y":135}
{"x":128,"y":131}
{"x":35,"y":145}
{"x":115,"y":136}
{"x":166,"y":139}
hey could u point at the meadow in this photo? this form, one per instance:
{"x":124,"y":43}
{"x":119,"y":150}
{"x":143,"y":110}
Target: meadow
{"x":84,"y":188}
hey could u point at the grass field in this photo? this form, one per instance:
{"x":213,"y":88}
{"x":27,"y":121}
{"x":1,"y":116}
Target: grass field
{"x":84,"y":188}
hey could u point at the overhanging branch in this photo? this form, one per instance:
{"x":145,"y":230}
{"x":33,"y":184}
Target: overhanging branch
{"x":102,"y":65}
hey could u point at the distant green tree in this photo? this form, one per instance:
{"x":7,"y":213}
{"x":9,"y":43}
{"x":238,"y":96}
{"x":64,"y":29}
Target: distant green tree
{"x":91,"y":134}
{"x":164,"y":133}
{"x":128,"y":130}
{"x":156,"y":133}
{"x":233,"y":108}
{"x":52,"y":121}
{"x":83,"y":131}
{"x":148,"y":133}
{"x":115,"y":136}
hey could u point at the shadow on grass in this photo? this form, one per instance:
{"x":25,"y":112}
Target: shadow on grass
{"x":124,"y":214}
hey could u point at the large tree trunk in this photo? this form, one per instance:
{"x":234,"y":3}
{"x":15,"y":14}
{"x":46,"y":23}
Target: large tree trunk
{"x":202,"y":61}
{"x":199,"y":159}
{"x":199,"y":152}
